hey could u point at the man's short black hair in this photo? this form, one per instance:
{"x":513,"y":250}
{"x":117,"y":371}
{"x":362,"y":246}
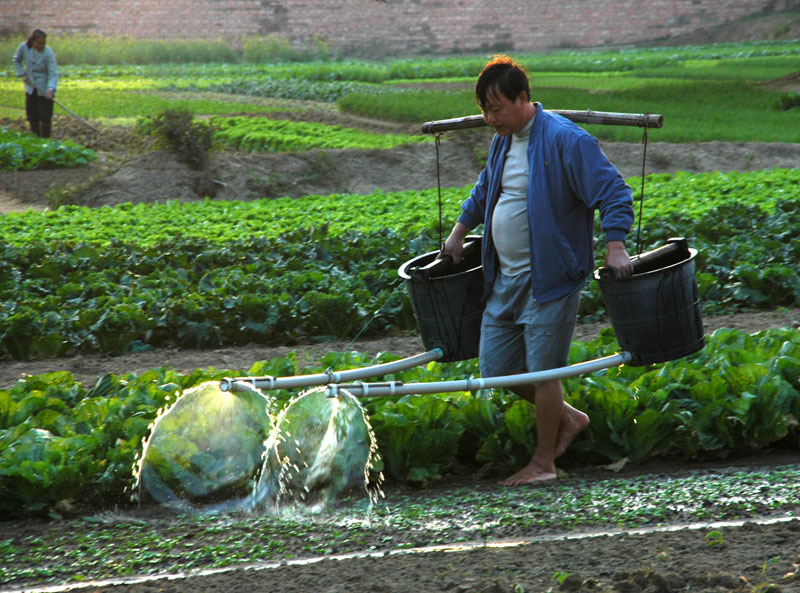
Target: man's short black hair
{"x":502,"y":75}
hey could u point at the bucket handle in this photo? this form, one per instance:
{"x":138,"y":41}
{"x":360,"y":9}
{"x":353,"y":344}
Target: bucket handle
{"x":442,"y":261}
{"x":644,"y":262}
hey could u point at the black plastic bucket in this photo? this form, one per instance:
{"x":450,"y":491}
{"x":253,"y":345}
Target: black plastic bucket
{"x":656,"y":312}
{"x":446,"y":299}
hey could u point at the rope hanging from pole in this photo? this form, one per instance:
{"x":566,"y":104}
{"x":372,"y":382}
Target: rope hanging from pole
{"x":439,"y":189}
{"x":641,"y":201}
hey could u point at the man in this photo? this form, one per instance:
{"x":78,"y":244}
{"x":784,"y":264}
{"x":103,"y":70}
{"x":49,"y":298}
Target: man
{"x":536,"y":198}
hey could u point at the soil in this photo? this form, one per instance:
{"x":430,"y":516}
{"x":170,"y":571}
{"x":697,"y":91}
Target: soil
{"x":127,"y":173}
{"x":127,"y":170}
{"x":625,"y":563}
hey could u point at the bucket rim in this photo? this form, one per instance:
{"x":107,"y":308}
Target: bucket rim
{"x":692,"y":254}
{"x":403,"y":273}
{"x":406,"y":276}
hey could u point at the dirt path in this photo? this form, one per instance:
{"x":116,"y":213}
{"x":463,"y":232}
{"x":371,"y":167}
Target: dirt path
{"x":123,"y":173}
{"x":621,"y":562}
{"x":11,"y":204}
{"x":158,"y":177}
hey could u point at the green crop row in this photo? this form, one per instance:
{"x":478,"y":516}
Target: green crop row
{"x":675,"y":82}
{"x":688,"y":117}
{"x":672,"y":200}
{"x":62,"y":441}
{"x":125,"y":103}
{"x":267,"y":135}
{"x":741,"y":392}
{"x":276,"y":271}
{"x":25,"y":152}
{"x":197,"y":293}
{"x":647,"y":61}
{"x":299,"y":89}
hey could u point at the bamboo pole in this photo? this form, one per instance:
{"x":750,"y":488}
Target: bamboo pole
{"x":606,"y":118}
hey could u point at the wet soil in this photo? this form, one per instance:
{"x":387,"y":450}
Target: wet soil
{"x":751,"y":554}
{"x":619,"y":563}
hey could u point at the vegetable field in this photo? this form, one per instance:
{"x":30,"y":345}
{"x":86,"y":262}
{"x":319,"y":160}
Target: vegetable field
{"x":154,"y":275}
{"x":673,"y":81}
{"x":22,"y":152}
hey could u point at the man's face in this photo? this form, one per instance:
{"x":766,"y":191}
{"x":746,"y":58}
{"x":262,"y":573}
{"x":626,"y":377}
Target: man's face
{"x":505,"y":116}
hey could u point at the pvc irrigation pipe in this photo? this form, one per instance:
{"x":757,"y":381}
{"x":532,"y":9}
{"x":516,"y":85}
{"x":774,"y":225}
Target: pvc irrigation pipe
{"x":394,"y":388}
{"x":330,"y":377}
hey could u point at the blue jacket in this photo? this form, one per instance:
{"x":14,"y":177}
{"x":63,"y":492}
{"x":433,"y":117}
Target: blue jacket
{"x":571,"y":177}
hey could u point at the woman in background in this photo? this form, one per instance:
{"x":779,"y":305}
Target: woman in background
{"x":36,"y":65}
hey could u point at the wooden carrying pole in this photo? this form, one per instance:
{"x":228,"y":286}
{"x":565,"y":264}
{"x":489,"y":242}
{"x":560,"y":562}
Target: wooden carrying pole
{"x":642,"y":120}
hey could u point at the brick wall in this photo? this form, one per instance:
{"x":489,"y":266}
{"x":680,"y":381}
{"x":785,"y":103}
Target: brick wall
{"x":377,"y":28}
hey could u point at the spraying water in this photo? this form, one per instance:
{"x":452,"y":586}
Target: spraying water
{"x":205,"y":449}
{"x":223,"y":450}
{"x":321,"y":447}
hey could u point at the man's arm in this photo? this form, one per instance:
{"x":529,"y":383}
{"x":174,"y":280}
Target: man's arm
{"x":602,"y":187}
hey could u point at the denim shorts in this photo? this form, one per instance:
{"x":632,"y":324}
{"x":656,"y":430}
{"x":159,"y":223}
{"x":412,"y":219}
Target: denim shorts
{"x":519,"y":335}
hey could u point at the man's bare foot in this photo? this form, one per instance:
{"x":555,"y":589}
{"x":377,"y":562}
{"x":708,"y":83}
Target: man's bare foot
{"x":572,"y":423}
{"x":530,"y":474}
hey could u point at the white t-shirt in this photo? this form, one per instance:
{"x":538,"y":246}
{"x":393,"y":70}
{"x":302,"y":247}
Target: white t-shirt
{"x":510,"y":230}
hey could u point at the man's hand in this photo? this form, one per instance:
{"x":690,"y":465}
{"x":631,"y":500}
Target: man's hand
{"x":454,"y":244}
{"x":617,"y":257}
{"x":49,"y":94}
